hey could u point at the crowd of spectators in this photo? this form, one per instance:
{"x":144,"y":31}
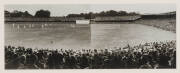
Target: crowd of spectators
{"x":154,"y":55}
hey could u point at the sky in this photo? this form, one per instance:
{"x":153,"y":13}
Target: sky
{"x":65,"y":9}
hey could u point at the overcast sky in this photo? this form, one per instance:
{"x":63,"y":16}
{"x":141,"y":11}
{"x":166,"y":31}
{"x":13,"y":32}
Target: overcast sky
{"x":62,"y":10}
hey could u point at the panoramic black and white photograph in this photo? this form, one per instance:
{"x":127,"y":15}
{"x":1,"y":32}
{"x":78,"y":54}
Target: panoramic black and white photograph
{"x":90,"y":36}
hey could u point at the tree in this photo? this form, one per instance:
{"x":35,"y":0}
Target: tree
{"x":6,"y":13}
{"x":26,"y":14}
{"x":75,"y":15}
{"x":101,"y":13}
{"x":133,"y":13}
{"x":43,"y":13}
{"x":16,"y":13}
{"x":122,"y":13}
{"x":111,"y":13}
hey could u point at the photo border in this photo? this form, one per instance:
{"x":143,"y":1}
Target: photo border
{"x":4,"y":2}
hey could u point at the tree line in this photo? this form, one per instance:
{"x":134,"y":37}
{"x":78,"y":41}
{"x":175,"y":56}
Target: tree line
{"x":92,"y":15}
{"x":47,"y":13}
{"x":16,"y":13}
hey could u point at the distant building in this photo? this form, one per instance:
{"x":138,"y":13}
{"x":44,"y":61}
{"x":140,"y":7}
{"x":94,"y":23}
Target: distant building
{"x":117,"y":18}
{"x":82,"y":21}
{"x":35,"y":19}
{"x":161,"y":15}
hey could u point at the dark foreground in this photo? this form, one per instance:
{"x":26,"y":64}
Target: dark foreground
{"x":160,"y":55}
